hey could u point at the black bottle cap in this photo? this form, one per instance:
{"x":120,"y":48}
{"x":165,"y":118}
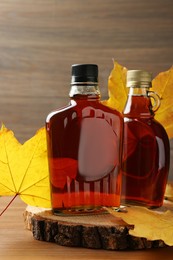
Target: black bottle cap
{"x":84,"y":73}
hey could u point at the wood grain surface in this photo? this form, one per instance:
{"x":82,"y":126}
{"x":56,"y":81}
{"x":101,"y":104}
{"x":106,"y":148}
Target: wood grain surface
{"x":17,"y":243}
{"x":41,"y":39}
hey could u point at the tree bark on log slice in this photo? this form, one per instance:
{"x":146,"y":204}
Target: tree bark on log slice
{"x":101,"y":231}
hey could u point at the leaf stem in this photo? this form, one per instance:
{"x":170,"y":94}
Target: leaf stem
{"x":8,"y":204}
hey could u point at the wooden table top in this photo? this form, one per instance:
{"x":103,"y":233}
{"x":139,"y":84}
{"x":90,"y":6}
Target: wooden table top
{"x":17,"y":243}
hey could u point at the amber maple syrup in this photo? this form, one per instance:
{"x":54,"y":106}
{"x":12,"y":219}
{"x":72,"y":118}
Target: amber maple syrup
{"x":146,"y":151}
{"x":84,"y":149}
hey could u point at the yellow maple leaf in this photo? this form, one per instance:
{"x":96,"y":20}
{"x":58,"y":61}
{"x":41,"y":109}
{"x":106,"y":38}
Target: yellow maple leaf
{"x":162,"y":84}
{"x":117,"y":88}
{"x":24,"y":168}
{"x":153,"y":225}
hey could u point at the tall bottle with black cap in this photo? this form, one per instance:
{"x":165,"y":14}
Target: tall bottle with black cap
{"x":146,"y":152}
{"x":84,"y":141}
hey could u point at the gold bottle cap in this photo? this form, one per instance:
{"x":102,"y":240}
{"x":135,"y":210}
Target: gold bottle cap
{"x":138,"y":79}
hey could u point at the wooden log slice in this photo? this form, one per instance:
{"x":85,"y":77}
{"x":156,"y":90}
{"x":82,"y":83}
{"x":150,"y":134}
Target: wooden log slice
{"x":101,"y":231}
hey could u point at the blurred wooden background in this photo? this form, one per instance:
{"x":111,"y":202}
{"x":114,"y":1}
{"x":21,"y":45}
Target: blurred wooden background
{"x":41,"y":39}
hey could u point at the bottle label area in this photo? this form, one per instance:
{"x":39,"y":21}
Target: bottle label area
{"x":97,"y":155}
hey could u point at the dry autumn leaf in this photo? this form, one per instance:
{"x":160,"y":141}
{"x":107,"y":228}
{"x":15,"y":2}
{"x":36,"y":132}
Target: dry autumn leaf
{"x":24,"y":168}
{"x":162,"y":85}
{"x":169,"y":191}
{"x":149,"y":224}
{"x":117,"y":88}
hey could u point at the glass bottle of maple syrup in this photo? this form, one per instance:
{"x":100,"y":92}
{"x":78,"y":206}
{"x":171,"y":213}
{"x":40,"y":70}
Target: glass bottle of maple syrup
{"x":146,"y":151}
{"x":84,"y":141}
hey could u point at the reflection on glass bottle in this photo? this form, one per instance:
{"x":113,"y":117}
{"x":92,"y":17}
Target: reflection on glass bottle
{"x":84,"y":148}
{"x":146,"y":151}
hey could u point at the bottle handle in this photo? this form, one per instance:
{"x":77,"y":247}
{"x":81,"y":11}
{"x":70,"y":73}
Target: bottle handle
{"x":156,"y":99}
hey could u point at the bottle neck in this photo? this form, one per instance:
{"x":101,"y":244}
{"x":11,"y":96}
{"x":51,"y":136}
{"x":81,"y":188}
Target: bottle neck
{"x":138,"y":103}
{"x":138,"y":91}
{"x":83,"y":90}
